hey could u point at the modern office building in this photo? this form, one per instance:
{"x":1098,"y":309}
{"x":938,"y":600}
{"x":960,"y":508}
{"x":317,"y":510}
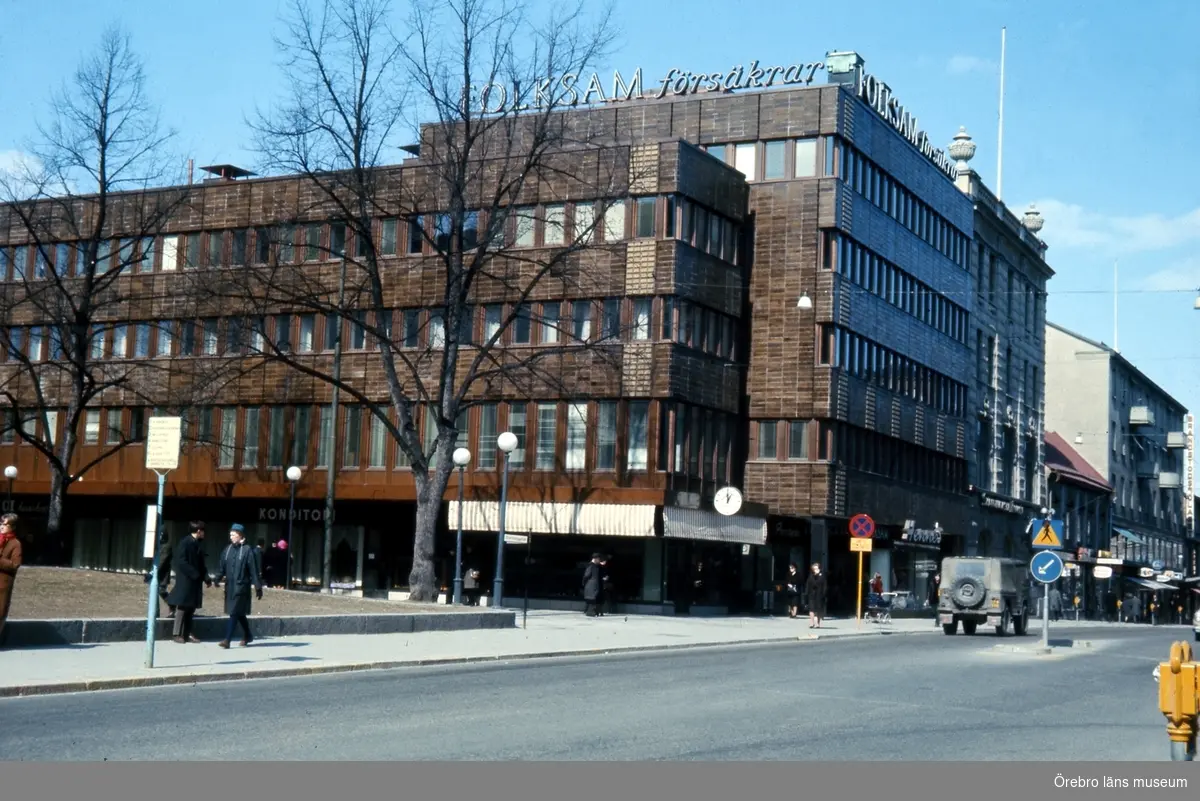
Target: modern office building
{"x":1136,"y":436}
{"x":1008,"y":307}
{"x":790,"y":280}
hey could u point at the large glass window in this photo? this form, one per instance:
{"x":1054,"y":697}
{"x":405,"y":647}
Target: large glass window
{"x":773,"y":166}
{"x":577,"y":419}
{"x":606,"y":436}
{"x":547,"y":435}
{"x":745,"y":159}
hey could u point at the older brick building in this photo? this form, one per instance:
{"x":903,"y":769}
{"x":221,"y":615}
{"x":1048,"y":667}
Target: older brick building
{"x":786,"y":294}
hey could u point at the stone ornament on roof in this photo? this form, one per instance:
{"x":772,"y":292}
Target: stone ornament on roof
{"x":962,"y":150}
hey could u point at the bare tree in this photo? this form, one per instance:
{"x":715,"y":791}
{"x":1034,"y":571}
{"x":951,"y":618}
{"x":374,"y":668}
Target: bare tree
{"x":81,"y":216}
{"x":452,"y":211}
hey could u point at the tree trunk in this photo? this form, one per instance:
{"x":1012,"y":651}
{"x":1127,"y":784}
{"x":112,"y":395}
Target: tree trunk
{"x":55,"y":549}
{"x":422,"y":581}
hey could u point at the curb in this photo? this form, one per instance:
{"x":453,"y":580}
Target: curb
{"x":138,"y":682}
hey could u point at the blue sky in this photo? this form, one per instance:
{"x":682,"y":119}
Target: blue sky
{"x":1103,"y":105}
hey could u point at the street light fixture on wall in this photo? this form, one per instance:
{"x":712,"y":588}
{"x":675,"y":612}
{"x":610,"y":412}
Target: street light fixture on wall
{"x":805,"y":303}
{"x":507,"y":443}
{"x":293,"y":475}
{"x":10,"y":473}
{"x":462,"y":458}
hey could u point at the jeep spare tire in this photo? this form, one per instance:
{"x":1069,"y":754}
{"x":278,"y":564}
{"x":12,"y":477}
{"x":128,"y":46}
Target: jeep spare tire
{"x":968,"y":592}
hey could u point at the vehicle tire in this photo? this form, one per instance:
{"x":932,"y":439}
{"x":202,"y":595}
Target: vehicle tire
{"x":968,"y":592}
{"x":1002,"y":629}
{"x":952,"y":628}
{"x":1020,"y":625}
{"x":969,"y":627}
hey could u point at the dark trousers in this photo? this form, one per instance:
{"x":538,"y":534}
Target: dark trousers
{"x":591,"y":608}
{"x":237,"y":620}
{"x":183,"y":621}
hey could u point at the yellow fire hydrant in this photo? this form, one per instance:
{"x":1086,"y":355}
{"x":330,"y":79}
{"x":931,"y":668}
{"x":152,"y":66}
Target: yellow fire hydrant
{"x":1179,"y":700}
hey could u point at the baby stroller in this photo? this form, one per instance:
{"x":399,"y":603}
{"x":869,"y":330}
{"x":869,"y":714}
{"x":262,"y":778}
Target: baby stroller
{"x":879,"y":608}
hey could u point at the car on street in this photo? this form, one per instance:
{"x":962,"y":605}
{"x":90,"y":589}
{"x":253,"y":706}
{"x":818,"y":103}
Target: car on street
{"x":978,"y":590}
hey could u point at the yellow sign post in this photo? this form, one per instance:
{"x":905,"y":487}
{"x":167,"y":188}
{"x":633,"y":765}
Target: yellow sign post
{"x":862,"y":528}
{"x":1179,"y":700}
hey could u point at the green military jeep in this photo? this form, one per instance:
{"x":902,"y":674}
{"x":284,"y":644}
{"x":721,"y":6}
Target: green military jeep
{"x":984,"y":590}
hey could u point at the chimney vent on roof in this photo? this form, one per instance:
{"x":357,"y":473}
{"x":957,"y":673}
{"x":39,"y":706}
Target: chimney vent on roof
{"x":225,"y":172}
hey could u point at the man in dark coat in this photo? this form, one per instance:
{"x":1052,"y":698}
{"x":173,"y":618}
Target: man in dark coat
{"x":593,"y":586}
{"x":241,"y":570}
{"x":191,"y":576}
{"x":164,"y":571}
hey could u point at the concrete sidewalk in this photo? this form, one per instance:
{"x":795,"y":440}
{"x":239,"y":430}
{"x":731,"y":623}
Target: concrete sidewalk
{"x":100,"y":666}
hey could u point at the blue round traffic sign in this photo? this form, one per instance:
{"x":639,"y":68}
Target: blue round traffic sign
{"x":1046,"y":567}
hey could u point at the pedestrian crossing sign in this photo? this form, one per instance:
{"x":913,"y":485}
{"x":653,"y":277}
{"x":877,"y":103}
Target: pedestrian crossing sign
{"x":1047,"y":534}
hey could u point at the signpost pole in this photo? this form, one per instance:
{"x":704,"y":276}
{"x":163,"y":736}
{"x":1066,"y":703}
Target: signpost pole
{"x":162,"y":456}
{"x":858,"y":610}
{"x":1046,"y":616}
{"x":152,"y":601}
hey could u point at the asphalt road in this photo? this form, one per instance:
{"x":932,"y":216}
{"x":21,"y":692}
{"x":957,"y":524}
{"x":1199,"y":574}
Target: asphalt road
{"x":887,"y":698}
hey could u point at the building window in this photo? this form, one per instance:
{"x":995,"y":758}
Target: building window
{"x":300,"y":433}
{"x":517,"y":424}
{"x":547,"y":435}
{"x":250,"y":442}
{"x":521,"y":326}
{"x":773,"y":164}
{"x":387,"y":238}
{"x":641,"y":318}
{"x":91,"y":427}
{"x":581,"y":317}
{"x":412,"y":328}
{"x":213,"y":257}
{"x":639,"y":435}
{"x":193,"y":251}
{"x":550,"y":322}
{"x":308,"y":325}
{"x":577,"y":418}
{"x":717,"y":152}
{"x":745,"y":159}
{"x":645,"y":210}
{"x":610,"y":323}
{"x":524,"y":219}
{"x":287,"y":244}
{"x":276,"y":436}
{"x":614,"y":222}
{"x":437,"y":330}
{"x":141,"y":341}
{"x":378,"y":453}
{"x":283,"y":332}
{"x":806,"y":158}
{"x":491,"y":321}
{"x":324,"y":437}
{"x":552,"y":233}
{"x":767,"y":440}
{"x":262,"y":245}
{"x":312,"y":242}
{"x":606,"y":436}
{"x":358,"y":332}
{"x":352,"y":442}
{"x":798,"y":440}
{"x":585,"y":222}
{"x":120,"y":346}
{"x":228,"y":437}
{"x":488,"y":416}
{"x":416,"y":234}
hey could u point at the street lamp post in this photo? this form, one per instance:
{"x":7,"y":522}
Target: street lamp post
{"x":462,"y":458}
{"x":507,"y":443}
{"x":10,"y":473}
{"x":293,"y":475}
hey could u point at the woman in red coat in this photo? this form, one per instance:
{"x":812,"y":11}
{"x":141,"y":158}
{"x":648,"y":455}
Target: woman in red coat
{"x":10,"y":562}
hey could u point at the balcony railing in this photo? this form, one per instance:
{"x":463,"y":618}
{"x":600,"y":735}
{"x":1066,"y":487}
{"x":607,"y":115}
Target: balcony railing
{"x":1176,"y":439}
{"x":1169,"y":481}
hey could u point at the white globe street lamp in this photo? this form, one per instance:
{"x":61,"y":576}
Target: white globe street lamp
{"x":507,"y":443}
{"x":462,"y":458}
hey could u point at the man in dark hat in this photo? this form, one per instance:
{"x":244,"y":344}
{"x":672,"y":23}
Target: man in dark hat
{"x":241,"y":570}
{"x":593,"y":586}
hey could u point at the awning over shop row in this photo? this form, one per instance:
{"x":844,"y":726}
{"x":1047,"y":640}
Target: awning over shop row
{"x":1129,"y":535}
{"x":1153,"y":585}
{"x":587,"y":519}
{"x":700,"y":524}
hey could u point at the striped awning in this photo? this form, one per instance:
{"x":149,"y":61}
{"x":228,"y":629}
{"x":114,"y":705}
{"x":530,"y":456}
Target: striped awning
{"x":583,"y":519}
{"x":701,"y":524}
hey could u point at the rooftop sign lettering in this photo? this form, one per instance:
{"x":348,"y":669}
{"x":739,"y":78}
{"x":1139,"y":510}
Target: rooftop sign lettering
{"x":878,"y":95}
{"x":572,"y":89}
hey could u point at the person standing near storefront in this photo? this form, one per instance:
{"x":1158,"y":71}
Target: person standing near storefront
{"x":792,"y":590}
{"x":593,"y":586}
{"x":191,"y":577}
{"x":241,"y":570}
{"x":815,"y":593}
{"x":10,"y":562}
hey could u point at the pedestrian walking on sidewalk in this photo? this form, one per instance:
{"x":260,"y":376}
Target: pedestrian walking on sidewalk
{"x":191,"y":577}
{"x":10,"y":563}
{"x":593,"y":587}
{"x":815,"y":593}
{"x":791,"y":589}
{"x":241,"y":570}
